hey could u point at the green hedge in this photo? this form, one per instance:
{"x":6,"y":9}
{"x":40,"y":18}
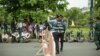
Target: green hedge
{"x":74,"y":29}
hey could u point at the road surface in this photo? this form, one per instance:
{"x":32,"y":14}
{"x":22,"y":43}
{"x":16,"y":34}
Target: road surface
{"x":30,"y":49}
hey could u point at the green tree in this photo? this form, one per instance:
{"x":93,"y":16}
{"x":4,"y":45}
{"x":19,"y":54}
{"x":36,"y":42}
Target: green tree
{"x":97,"y":4}
{"x":37,"y":8}
{"x":73,"y":14}
{"x":97,"y":8}
{"x":83,"y":19}
{"x":2,"y":14}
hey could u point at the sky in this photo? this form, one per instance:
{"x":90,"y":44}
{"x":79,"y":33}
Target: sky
{"x":77,"y":3}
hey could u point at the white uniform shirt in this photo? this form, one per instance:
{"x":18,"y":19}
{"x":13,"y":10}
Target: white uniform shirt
{"x":19,"y":24}
{"x":4,"y":36}
{"x":25,"y":34}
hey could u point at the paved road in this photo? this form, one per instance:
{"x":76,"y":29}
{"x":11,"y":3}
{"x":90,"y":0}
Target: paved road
{"x":29,"y":49}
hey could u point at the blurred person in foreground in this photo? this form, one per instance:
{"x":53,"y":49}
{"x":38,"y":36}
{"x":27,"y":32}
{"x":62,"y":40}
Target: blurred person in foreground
{"x":47,"y":41}
{"x":97,"y":33}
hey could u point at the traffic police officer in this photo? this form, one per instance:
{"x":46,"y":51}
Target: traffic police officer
{"x":97,"y":33}
{"x":58,"y":30}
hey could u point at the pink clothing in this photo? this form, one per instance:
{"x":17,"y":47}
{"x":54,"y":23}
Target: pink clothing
{"x":48,"y":46}
{"x":30,"y":28}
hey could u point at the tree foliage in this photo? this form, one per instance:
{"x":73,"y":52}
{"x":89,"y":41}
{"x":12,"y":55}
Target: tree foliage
{"x":80,"y":18}
{"x":74,"y":12}
{"x":37,"y":9}
{"x":97,"y":4}
{"x":97,"y":8}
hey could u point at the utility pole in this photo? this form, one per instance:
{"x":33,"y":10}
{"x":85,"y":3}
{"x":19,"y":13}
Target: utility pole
{"x":91,"y":14}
